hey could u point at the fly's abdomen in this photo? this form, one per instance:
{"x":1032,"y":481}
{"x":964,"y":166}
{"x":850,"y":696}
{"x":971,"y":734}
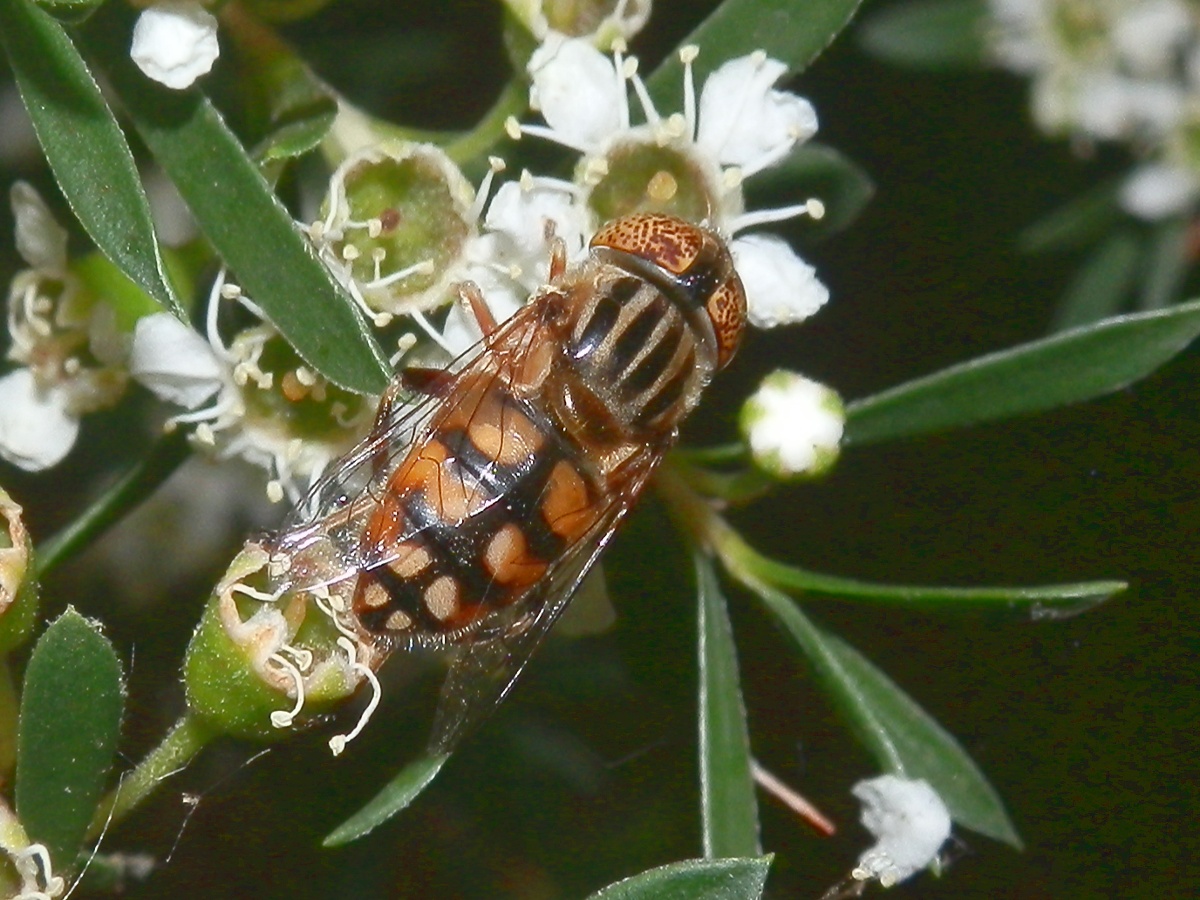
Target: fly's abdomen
{"x":475,"y":515}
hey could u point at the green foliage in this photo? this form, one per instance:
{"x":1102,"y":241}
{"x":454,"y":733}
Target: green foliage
{"x":83,"y":145}
{"x":70,"y":720}
{"x":928,"y":34}
{"x":729,"y":811}
{"x":238,"y":151}
{"x":1070,"y":367}
{"x":242,"y":217}
{"x":702,"y":879}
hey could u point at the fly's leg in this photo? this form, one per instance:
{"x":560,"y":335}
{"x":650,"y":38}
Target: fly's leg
{"x":472,"y":298}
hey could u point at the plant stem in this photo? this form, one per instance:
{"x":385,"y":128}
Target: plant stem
{"x":475,"y":143}
{"x":133,"y":487}
{"x":177,"y":749}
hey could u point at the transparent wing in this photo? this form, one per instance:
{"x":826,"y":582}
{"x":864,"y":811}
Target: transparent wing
{"x":323,"y":535}
{"x":485,"y":668}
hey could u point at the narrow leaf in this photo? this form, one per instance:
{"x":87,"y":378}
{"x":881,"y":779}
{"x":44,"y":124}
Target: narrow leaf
{"x":1102,"y":284}
{"x":84,"y":145}
{"x":240,"y":215}
{"x":697,"y":879}
{"x":728,"y":805}
{"x":70,"y":721}
{"x":902,"y":737}
{"x":928,"y":34}
{"x":1077,"y":222}
{"x":399,"y":793}
{"x":1167,"y":264}
{"x":1064,"y":368}
{"x":1042,"y":601}
{"x":814,"y":170}
{"x":792,"y":31}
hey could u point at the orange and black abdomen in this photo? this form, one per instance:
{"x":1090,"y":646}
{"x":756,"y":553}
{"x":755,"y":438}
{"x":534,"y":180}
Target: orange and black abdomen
{"x":474,"y":516}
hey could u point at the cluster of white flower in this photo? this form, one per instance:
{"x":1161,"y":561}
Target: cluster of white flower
{"x":1115,"y":70}
{"x":400,"y":250}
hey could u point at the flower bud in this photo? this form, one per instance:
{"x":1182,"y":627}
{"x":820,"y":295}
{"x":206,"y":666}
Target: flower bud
{"x":793,"y":426}
{"x":258,"y":660}
{"x":18,"y":589}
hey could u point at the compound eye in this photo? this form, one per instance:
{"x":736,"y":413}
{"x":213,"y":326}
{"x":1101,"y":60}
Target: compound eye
{"x":668,"y":242}
{"x":726,"y":309}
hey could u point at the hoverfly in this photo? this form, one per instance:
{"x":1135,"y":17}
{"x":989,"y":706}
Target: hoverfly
{"x":469,"y":520}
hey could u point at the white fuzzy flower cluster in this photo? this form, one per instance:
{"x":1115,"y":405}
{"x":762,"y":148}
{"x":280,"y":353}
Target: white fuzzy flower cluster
{"x":910,"y":823}
{"x":69,"y":351}
{"x":699,"y":158}
{"x":401,"y":227}
{"x":1115,"y":70}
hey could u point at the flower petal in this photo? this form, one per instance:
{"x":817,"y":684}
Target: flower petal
{"x":41,"y":241}
{"x":522,"y":213}
{"x":781,"y":288}
{"x":910,"y":823}
{"x":577,"y":90}
{"x":175,"y":42}
{"x":743,"y":122}
{"x":1159,"y":190}
{"x":36,"y":431}
{"x":174,"y":361}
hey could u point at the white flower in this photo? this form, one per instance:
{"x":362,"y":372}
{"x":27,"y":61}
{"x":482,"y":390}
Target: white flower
{"x":1148,"y":35}
{"x":41,"y":241}
{"x":279,"y":415}
{"x":36,"y":429}
{"x":394,"y":254}
{"x":1158,"y":190}
{"x":743,"y":122}
{"x":525,"y":214}
{"x":781,"y":288}
{"x":743,"y":126}
{"x":793,"y":425}
{"x":577,"y":90}
{"x":910,"y":823}
{"x":174,"y":361}
{"x":68,"y":342}
{"x":175,"y":42}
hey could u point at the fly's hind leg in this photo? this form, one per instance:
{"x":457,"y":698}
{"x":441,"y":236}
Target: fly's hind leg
{"x":476,"y":305}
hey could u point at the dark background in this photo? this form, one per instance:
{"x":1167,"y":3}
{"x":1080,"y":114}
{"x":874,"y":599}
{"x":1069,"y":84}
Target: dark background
{"x":1086,"y":726}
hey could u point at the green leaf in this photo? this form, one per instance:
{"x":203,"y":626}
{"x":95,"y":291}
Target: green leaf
{"x":84,"y":146}
{"x":903,"y":738}
{"x":1044,"y":601}
{"x":399,"y":793}
{"x":239,"y":214}
{"x":1064,"y":368}
{"x":290,"y":107}
{"x":1167,"y":264}
{"x":1102,"y":284}
{"x":70,"y":11}
{"x":728,"y":806}
{"x":1074,"y":224}
{"x":928,"y":34}
{"x":696,"y":879}
{"x":792,"y":31}
{"x":813,"y":170}
{"x":70,"y":721}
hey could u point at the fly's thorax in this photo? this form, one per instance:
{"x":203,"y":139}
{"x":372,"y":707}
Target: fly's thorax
{"x":632,"y":361}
